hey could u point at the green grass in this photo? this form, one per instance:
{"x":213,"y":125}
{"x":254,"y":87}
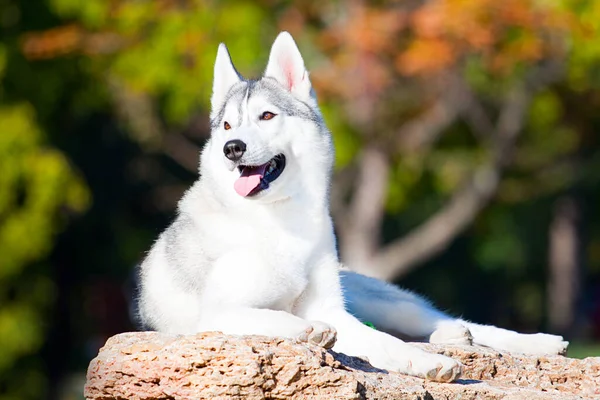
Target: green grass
{"x":583,"y":350}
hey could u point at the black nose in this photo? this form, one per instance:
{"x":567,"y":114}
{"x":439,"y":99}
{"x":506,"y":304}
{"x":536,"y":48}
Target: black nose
{"x":234,"y":149}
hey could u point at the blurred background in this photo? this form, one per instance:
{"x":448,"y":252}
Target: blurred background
{"x":467,"y":169}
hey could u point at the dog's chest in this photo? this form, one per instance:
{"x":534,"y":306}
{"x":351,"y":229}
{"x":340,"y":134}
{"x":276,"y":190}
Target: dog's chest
{"x":263,"y":266}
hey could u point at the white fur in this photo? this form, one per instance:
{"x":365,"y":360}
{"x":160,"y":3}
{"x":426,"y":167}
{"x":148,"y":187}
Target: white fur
{"x":402,"y":313}
{"x":268,"y":264}
{"x":225,"y":76}
{"x":287,"y":67}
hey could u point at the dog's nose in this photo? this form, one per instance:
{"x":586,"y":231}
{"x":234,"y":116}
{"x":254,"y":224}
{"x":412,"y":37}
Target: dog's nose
{"x":234,"y":149}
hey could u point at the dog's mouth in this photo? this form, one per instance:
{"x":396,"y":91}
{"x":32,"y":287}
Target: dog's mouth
{"x":256,"y":178}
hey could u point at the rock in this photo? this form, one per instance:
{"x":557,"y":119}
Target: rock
{"x":150,"y":365}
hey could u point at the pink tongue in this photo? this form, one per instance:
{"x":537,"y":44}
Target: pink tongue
{"x":249,"y":179}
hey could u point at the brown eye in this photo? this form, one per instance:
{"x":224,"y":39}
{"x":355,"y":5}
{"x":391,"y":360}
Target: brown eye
{"x":267,"y":115}
{"x":227,"y":126}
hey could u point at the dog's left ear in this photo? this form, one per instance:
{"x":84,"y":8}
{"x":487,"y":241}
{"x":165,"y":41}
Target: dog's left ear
{"x":287,"y":66}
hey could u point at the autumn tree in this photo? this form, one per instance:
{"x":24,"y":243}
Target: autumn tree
{"x":409,"y":76}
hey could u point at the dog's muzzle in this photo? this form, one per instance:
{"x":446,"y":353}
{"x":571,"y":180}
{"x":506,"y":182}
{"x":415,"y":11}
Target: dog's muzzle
{"x":256,"y":178}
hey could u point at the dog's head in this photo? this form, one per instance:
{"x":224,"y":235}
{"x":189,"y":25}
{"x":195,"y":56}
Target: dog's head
{"x":268,"y":140}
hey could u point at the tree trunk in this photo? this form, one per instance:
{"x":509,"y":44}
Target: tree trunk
{"x":565,"y":261}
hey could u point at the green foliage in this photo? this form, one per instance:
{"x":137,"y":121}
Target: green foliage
{"x":346,"y":142}
{"x":36,"y":183}
{"x":501,"y":245}
{"x":404,"y":177}
{"x":37,"y":186}
{"x":92,"y":13}
{"x":583,"y":71}
{"x":546,"y":137}
{"x":170,"y":53}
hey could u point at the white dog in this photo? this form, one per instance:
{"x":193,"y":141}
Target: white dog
{"x":253,"y":252}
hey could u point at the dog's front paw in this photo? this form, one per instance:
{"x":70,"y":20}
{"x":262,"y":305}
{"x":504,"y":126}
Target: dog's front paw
{"x":319,"y":333}
{"x":451,"y":332}
{"x":436,"y":367}
{"x":398,"y":356}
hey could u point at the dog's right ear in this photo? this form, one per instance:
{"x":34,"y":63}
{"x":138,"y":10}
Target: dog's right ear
{"x":224,"y":78}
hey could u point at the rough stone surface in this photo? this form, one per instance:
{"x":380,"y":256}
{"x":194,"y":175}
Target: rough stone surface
{"x":150,"y":365}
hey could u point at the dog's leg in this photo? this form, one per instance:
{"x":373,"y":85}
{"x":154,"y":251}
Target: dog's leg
{"x":221,"y":300}
{"x":240,"y":301}
{"x":323,"y":301}
{"x":503,"y":339}
{"x":401,"y":312}
{"x":254,"y":321}
{"x":387,"y":352}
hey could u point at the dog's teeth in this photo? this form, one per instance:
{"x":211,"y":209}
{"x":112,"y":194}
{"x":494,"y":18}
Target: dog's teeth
{"x":272,"y":166}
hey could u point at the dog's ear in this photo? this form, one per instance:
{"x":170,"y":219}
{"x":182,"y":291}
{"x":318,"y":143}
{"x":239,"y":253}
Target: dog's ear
{"x":224,"y":78}
{"x":287,"y":66}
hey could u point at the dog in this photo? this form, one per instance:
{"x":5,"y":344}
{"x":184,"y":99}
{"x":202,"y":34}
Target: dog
{"x":252,"y":250}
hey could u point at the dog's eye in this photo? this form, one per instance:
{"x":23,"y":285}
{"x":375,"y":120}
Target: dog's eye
{"x":267,"y":115}
{"x":226,"y":126}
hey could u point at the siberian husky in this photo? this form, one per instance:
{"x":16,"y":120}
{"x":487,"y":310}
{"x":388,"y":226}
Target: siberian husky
{"x":253,"y":252}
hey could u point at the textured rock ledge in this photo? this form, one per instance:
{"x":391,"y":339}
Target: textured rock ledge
{"x":150,"y":365}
